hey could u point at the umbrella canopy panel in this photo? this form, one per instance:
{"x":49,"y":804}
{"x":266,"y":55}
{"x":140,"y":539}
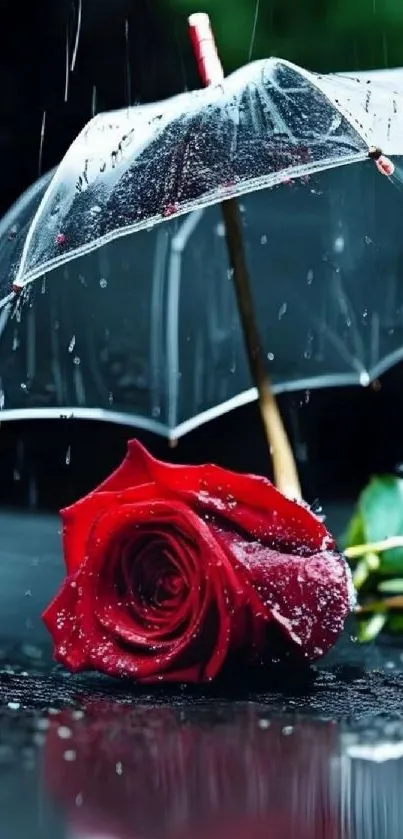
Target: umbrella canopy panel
{"x":131,"y":169}
{"x":145,"y":329}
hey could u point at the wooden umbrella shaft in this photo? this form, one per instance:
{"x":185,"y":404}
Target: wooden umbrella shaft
{"x":284,"y":467}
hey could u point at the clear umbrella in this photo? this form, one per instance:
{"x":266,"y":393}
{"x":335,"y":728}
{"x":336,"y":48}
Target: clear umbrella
{"x":145,"y":328}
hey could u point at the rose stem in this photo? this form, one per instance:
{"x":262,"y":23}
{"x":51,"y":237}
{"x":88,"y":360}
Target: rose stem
{"x":284,"y":465}
{"x":356,"y":551}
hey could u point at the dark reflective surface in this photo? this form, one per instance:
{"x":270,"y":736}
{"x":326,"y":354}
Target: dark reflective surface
{"x":317,"y":755}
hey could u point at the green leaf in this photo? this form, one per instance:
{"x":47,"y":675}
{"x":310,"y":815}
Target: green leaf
{"x":379,"y":515}
{"x":355,"y":533}
{"x":368,"y":629}
{"x":381,"y":508}
{"x":394,"y":586}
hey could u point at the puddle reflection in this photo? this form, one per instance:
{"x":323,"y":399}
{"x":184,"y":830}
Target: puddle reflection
{"x":120,"y":772}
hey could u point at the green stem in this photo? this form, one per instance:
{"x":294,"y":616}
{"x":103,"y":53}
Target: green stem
{"x":357,"y":551}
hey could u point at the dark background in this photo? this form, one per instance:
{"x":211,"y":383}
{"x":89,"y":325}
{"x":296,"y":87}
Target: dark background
{"x":340,"y":436}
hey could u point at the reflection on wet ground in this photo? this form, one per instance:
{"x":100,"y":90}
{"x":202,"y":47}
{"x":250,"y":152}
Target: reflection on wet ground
{"x":84,"y":757}
{"x":316,"y":755}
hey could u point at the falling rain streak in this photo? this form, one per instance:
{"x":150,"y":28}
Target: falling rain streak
{"x":254,"y":28}
{"x":67,"y":74}
{"x":128,"y":73}
{"x":41,"y":142}
{"x":77,"y":38}
{"x":94,"y":101}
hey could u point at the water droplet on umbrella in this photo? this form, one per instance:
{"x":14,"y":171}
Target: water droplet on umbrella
{"x":338,"y":244}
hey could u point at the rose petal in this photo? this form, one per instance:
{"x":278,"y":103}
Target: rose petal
{"x":309,"y":597}
{"x":116,"y":645}
{"x":249,"y":502}
{"x":79,"y":518}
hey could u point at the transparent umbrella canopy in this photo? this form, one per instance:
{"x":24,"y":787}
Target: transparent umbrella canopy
{"x":133,"y":316}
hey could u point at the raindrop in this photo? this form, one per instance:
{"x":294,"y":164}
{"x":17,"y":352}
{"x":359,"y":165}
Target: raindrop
{"x":103,"y":282}
{"x":76,"y":360}
{"x":338,"y":244}
{"x":77,"y":38}
{"x":270,"y":356}
{"x":72,"y":343}
{"x":94,"y":101}
{"x":41,"y":142}
{"x":119,"y":768}
{"x":128,"y":73}
{"x":308,"y":349}
{"x":263,"y":239}
{"x":220,"y":229}
{"x":69,"y":755}
{"x":68,"y":456}
{"x":67,"y":68}
{"x":254,"y":28}
{"x":367,"y":240}
{"x":64,"y":732}
{"x":364,"y":379}
{"x":282,"y":310}
{"x":13,"y":706}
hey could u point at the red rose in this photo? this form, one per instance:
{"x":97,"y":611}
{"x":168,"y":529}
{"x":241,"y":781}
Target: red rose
{"x":173,"y":570}
{"x":156,"y":773}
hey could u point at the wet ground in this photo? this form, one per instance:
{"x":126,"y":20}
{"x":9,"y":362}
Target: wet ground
{"x":312,"y":756}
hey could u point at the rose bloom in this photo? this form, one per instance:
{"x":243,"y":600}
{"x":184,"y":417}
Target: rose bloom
{"x":174,"y":571}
